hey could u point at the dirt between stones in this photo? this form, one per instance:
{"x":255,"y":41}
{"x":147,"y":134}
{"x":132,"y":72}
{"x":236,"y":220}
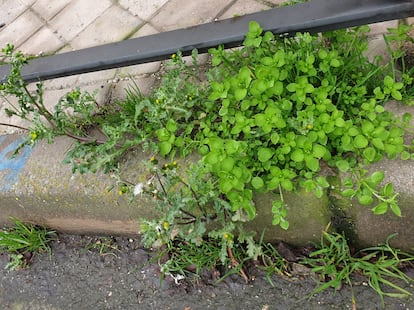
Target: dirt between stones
{"x":77,"y":276}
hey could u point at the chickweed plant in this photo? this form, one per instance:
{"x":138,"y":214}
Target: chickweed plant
{"x":267,"y":117}
{"x":22,"y":241}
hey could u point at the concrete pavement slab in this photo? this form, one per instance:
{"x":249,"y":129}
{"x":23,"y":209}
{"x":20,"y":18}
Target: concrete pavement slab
{"x":143,"y":9}
{"x":43,"y":42}
{"x":243,"y":8}
{"x":113,"y":25}
{"x":19,"y":30}
{"x":182,"y":13}
{"x":10,"y":10}
{"x":76,"y":16}
{"x":48,"y":9}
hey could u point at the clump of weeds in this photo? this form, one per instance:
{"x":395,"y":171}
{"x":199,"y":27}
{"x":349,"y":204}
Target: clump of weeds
{"x":22,"y":241}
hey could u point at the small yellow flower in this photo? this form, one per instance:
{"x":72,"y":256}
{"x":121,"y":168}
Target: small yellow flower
{"x":173,"y":56}
{"x":309,"y":126}
{"x":33,"y":135}
{"x":226,"y":236}
{"x":120,"y":192}
{"x":166,"y":225}
{"x":157,"y":101}
{"x":174,"y":163}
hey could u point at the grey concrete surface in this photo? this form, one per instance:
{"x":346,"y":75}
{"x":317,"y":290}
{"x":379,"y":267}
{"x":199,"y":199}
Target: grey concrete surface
{"x":35,"y":186}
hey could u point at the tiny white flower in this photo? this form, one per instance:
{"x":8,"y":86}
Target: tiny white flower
{"x":138,"y":189}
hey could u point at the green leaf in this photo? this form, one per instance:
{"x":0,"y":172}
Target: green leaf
{"x":225,"y":185}
{"x":171,"y":125}
{"x":297,"y":155}
{"x":284,"y":224}
{"x":165,"y":148}
{"x":322,"y":182}
{"x":395,"y":209}
{"x":339,"y":122}
{"x":369,"y":154}
{"x":257,"y":183}
{"x":163,"y":134}
{"x":360,"y":142}
{"x":274,"y":137}
{"x":335,"y":63}
{"x":396,"y":95}
{"x":388,"y":81}
{"x":318,"y":151}
{"x":407,"y":117}
{"x":240,"y":93}
{"x":348,"y":193}
{"x":405,"y":155}
{"x":287,"y":185}
{"x":365,"y":200}
{"x":380,"y":208}
{"x":250,"y":209}
{"x":388,"y":190}
{"x":231,"y":146}
{"x":378,"y":93}
{"x":254,"y":28}
{"x":377,"y":142}
{"x":312,"y":163}
{"x":377,"y":177}
{"x":227,"y":164}
{"x":291,"y":87}
{"x":264,"y":154}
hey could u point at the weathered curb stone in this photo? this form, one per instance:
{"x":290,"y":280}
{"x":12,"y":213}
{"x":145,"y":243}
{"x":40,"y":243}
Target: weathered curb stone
{"x":44,"y":191}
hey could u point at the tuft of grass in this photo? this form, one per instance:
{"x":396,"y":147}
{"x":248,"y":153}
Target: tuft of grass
{"x":381,"y":265}
{"x":21,"y":241}
{"x":104,"y":245}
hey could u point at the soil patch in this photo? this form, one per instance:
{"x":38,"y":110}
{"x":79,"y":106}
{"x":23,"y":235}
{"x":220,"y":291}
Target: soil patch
{"x":80,"y":275}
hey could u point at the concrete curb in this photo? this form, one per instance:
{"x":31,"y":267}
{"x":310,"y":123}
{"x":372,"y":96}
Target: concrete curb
{"x":35,"y":186}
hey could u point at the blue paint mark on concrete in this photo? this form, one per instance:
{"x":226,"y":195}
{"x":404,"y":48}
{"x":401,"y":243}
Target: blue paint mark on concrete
{"x":10,"y":166}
